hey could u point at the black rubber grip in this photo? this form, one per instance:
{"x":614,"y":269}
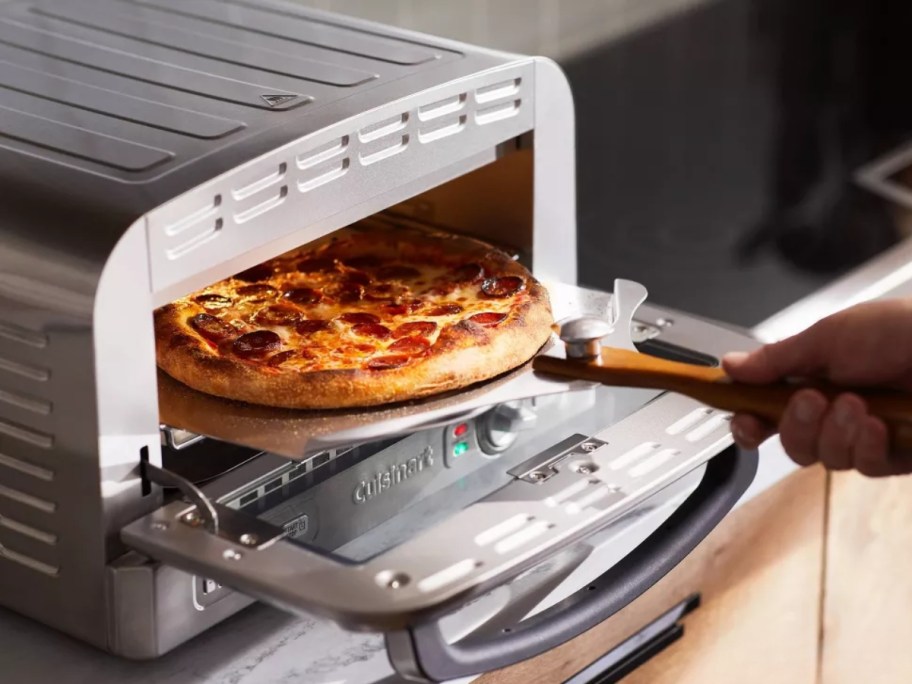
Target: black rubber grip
{"x":725,"y":480}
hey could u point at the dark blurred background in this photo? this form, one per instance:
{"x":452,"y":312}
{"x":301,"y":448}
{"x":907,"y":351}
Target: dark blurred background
{"x":717,"y":140}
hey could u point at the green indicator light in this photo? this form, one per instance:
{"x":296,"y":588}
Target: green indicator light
{"x":460,"y":448}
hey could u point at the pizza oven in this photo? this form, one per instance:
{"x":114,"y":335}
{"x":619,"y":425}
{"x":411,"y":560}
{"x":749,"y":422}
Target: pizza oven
{"x":187,"y":142}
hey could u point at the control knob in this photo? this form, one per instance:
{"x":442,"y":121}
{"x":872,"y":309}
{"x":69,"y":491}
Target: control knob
{"x":499,"y":428}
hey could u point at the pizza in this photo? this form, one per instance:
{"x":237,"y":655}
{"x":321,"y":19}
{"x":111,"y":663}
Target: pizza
{"x":369,"y":315}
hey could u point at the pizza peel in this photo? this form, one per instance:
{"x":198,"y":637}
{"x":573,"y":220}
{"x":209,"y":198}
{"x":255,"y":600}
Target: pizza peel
{"x":591,"y":356}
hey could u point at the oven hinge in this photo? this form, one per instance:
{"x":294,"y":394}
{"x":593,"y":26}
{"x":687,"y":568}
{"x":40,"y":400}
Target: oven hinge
{"x":216,"y":518}
{"x":542,"y":467}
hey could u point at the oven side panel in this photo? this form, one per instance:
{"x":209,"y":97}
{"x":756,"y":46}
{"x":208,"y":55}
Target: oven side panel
{"x":52,"y":552}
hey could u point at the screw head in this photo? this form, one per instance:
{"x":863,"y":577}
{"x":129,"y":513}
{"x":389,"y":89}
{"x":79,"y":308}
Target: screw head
{"x":249,"y":539}
{"x":588,"y":447}
{"x":193,"y":518}
{"x":538,"y":476}
{"x":231,"y":554}
{"x":392,"y":580}
{"x":665,"y":322}
{"x":584,"y":470}
{"x":159,"y":526}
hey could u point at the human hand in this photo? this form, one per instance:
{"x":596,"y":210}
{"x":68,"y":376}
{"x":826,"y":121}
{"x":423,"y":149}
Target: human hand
{"x":868,"y":345}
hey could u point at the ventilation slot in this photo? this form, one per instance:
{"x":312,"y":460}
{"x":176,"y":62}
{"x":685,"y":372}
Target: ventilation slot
{"x":27,"y":468}
{"x":42,"y":505}
{"x":654,"y":462}
{"x":253,"y":188}
{"x":706,"y":429}
{"x":449,"y":575}
{"x":264,"y":206}
{"x":497,"y":112}
{"x":321,"y":154}
{"x":28,"y":531}
{"x":195,"y":218}
{"x":383,"y":129}
{"x":497,"y":91}
{"x":196,"y":241}
{"x":28,"y":337}
{"x":441,"y":129}
{"x":435,"y":110}
{"x":29,"y":562}
{"x":603,"y":491}
{"x":23,"y":370}
{"x":31,"y":404}
{"x":688,"y":421}
{"x":630,"y":457}
{"x":508,"y":526}
{"x":324,"y":174}
{"x":523,"y":537}
{"x":27,"y":435}
{"x":373,"y":155}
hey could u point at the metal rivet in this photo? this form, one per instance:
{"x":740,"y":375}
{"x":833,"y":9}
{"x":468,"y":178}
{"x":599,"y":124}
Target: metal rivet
{"x":584,"y":468}
{"x":249,"y":539}
{"x":231,"y":554}
{"x":193,"y":518}
{"x":397,"y":580}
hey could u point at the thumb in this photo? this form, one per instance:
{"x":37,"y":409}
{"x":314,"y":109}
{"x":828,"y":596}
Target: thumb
{"x":801,"y":355}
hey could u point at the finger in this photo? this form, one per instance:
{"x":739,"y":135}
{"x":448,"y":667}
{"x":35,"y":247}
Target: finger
{"x":839,"y":431}
{"x":870,"y":456}
{"x":802,"y":354}
{"x":749,"y":431}
{"x":799,"y":428}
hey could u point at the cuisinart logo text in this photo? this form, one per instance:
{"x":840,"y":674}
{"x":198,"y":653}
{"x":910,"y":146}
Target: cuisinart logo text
{"x":392,"y":475}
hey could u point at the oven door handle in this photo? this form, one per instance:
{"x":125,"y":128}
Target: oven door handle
{"x":423,"y":653}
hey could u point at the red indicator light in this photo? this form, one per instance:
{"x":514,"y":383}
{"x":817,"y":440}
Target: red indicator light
{"x":460,"y":429}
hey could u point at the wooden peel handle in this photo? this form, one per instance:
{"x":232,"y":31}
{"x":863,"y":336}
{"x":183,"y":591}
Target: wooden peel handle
{"x":711,"y":386}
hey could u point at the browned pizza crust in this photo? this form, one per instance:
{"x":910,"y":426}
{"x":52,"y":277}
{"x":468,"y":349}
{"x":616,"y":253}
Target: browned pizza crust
{"x":462,"y":353}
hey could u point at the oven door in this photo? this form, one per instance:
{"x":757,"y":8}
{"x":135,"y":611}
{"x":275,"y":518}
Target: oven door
{"x":397,"y":532}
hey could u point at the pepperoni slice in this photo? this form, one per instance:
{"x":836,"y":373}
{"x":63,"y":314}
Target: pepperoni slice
{"x":358,"y":278}
{"x":348,"y":293}
{"x":372,"y":330}
{"x":394,"y":309}
{"x":468,"y":273}
{"x":420,"y":328}
{"x":255,"y":274}
{"x":304,"y":295}
{"x":397,"y":272}
{"x":317,"y":265}
{"x":213,"y":301}
{"x":366,"y":261}
{"x":257,"y":293}
{"x":445,"y":310}
{"x":487,"y":319}
{"x":212,"y":328}
{"x":277,"y":315}
{"x":388,"y":362}
{"x":256,"y":344}
{"x":410,"y":345}
{"x":359,"y":318}
{"x":281,"y":357}
{"x":311,"y":326}
{"x":503,"y":287}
